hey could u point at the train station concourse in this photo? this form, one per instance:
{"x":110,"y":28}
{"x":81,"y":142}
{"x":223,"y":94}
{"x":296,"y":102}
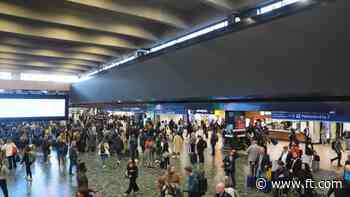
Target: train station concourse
{"x":174,"y":98}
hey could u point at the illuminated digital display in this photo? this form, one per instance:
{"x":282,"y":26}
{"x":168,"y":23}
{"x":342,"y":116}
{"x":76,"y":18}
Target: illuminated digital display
{"x":32,"y":108}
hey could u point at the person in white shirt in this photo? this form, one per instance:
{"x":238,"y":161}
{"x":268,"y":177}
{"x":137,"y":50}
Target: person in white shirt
{"x":10,"y":152}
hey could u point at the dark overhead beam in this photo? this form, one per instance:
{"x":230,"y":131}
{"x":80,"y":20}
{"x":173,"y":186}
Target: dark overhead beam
{"x":137,"y":9}
{"x":52,"y":53}
{"x":59,"y":33}
{"x":67,"y":47}
{"x":76,"y":19}
{"x":14,"y":56}
{"x":43,"y":65}
{"x":219,"y":4}
{"x":24,"y":69}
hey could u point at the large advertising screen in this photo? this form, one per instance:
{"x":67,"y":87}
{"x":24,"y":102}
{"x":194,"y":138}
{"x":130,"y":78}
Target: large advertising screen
{"x":33,"y":108}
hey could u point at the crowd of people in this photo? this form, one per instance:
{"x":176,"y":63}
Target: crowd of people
{"x":122,"y":137}
{"x":295,"y":163}
{"x":149,"y":144}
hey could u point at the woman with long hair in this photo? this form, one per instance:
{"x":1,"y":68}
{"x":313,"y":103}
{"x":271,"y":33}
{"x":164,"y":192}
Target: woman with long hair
{"x":28,"y":160}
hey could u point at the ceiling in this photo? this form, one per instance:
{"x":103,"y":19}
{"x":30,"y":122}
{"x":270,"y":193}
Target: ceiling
{"x":75,"y":36}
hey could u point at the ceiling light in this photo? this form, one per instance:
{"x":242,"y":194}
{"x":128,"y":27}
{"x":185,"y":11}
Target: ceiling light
{"x":237,"y":19}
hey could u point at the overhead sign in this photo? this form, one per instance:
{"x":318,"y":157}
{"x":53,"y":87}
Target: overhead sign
{"x":302,"y":116}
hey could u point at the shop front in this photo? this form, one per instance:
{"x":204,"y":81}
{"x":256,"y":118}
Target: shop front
{"x":322,"y":127}
{"x":206,"y":115}
{"x":234,"y":135}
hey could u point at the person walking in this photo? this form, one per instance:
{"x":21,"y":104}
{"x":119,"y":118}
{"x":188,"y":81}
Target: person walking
{"x":104,"y":152}
{"x":45,"y":146}
{"x":142,"y":140}
{"x":192,"y":183}
{"x":28,"y":159}
{"x":91,"y":138}
{"x":73,"y":158}
{"x":201,"y":146}
{"x":118,"y":146}
{"x":193,"y":141}
{"x":230,"y":166}
{"x":337,"y":147}
{"x":133,"y":146}
{"x":62,"y":149}
{"x":83,"y":181}
{"x":284,"y":155}
{"x":309,"y":152}
{"x":253,"y":153}
{"x":263,"y":163}
{"x":10,"y":151}
{"x":178,"y":144}
{"x":3,"y":177}
{"x":132,"y":174}
{"x":169,"y":184}
{"x":213,"y":140}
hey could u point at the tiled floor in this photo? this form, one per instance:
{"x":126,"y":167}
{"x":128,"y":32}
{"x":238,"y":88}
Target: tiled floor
{"x":49,"y":180}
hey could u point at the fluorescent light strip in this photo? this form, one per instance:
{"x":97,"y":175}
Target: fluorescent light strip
{"x":275,"y":6}
{"x":48,"y":77}
{"x":163,"y":46}
{"x":190,"y":36}
{"x":5,"y":75}
{"x":223,"y":24}
{"x":288,"y":2}
{"x":123,"y":61}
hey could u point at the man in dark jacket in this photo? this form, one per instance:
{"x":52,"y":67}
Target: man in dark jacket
{"x":213,"y":140}
{"x":133,"y":146}
{"x":46,"y":149}
{"x":192,"y":183}
{"x":118,"y":146}
{"x":92,"y":135}
{"x":73,"y":158}
{"x":201,"y":146}
{"x":337,"y":147}
{"x":230,"y":166}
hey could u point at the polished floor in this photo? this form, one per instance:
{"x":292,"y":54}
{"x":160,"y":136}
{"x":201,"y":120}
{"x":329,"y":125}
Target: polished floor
{"x":50,"y":180}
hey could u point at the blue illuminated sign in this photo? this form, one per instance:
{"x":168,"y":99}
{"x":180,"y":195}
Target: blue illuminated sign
{"x":302,"y":116}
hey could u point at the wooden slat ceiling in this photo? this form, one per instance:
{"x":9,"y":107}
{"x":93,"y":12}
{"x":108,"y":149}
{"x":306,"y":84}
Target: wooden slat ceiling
{"x":74,"y":36}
